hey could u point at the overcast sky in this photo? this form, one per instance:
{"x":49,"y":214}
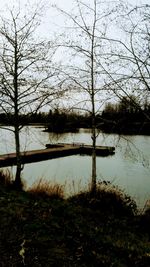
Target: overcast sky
{"x":52,"y":21}
{"x":50,"y":16}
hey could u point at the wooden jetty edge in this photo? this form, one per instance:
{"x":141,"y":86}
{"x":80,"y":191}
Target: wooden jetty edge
{"x":53,"y":151}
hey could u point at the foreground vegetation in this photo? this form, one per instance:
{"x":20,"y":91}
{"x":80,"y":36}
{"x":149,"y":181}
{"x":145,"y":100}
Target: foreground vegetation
{"x":40,"y":227}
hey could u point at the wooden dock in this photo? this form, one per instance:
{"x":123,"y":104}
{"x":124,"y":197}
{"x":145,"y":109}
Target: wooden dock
{"x":54,"y":151}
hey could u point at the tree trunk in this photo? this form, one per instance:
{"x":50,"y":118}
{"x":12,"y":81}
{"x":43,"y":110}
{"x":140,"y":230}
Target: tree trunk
{"x":93,"y":185}
{"x":18,"y":183}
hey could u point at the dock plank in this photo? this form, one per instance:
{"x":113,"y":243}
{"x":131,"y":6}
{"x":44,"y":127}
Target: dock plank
{"x":54,"y":151}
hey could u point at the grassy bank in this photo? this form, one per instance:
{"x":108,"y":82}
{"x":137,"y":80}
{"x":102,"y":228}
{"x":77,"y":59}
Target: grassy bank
{"x":42,"y":228}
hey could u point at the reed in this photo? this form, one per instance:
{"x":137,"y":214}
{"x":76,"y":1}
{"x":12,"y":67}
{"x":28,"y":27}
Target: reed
{"x":6,"y":178}
{"x":44,"y":188}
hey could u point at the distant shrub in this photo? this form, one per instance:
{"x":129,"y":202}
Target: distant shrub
{"x":44,"y":188}
{"x":108,"y":198}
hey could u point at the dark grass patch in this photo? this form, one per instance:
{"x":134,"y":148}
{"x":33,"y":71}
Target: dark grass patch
{"x":108,"y":199}
{"x":80,"y":231}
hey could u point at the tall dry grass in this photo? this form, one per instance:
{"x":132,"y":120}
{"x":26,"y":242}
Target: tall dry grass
{"x":6,"y":178}
{"x":44,"y":188}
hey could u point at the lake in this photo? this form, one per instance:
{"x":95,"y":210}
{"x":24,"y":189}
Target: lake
{"x":129,"y":168}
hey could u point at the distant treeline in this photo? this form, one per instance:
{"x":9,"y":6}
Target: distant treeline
{"x":126,"y":117}
{"x":55,"y":121}
{"x":61,"y":121}
{"x":121,"y":118}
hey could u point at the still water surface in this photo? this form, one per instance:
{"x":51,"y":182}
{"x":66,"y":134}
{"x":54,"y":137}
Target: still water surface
{"x":129,"y":168}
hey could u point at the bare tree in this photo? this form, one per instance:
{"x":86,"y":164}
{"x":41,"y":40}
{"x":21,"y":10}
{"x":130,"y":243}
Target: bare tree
{"x":26,"y":70}
{"x":127,"y":63}
{"x":87,"y":28}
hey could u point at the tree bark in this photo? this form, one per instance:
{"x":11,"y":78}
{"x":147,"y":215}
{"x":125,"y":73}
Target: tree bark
{"x":18,"y":183}
{"x":93,"y":184}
